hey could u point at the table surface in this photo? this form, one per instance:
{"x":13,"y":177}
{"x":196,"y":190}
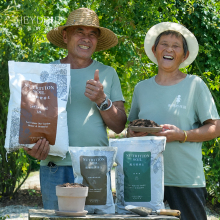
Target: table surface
{"x":38,"y":214}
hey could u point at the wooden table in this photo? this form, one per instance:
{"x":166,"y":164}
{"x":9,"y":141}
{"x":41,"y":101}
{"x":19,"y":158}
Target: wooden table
{"x":43,"y":214}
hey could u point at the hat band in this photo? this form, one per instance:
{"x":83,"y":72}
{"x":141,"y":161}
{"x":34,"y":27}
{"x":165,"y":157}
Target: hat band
{"x":82,"y":23}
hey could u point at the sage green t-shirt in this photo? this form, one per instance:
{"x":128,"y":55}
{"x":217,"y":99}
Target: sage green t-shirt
{"x":85,"y":124}
{"x":187,"y":105}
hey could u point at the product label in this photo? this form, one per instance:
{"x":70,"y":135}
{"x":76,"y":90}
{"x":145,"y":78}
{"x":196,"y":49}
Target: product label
{"x":39,"y":112}
{"x":137,"y":176}
{"x":94,"y":170}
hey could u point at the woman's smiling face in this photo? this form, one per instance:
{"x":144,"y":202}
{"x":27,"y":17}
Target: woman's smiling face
{"x":169,"y":52}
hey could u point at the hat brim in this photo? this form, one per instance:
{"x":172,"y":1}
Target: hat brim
{"x":157,"y":29}
{"x":106,"y":40}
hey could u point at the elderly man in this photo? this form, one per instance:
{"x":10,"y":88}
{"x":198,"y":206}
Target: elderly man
{"x":96,"y":99}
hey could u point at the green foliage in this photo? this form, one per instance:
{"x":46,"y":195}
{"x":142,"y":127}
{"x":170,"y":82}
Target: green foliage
{"x":14,"y":170}
{"x":33,"y":192}
{"x":23,"y":38}
{"x":23,"y":28}
{"x":4,"y":217}
{"x":211,"y":159}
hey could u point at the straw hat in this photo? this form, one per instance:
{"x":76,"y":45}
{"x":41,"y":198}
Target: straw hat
{"x":157,"y":29}
{"x":84,"y":17}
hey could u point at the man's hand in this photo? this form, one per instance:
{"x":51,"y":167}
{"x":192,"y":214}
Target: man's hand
{"x":94,"y":89}
{"x":40,"y":150}
{"x":115,"y":117}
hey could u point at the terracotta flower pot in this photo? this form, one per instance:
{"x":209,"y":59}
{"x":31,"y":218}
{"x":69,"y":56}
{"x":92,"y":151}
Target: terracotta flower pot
{"x":70,"y":198}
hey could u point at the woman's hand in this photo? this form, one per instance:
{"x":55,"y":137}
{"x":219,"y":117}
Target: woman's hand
{"x":131,"y":133}
{"x":209,"y":130}
{"x":171,"y":132}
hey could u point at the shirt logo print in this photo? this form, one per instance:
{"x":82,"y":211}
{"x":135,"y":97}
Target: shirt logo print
{"x":176,"y":103}
{"x":178,"y":99}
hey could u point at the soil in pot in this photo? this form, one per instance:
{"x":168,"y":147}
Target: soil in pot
{"x":72,"y":185}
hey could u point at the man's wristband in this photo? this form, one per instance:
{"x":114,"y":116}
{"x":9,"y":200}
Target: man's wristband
{"x":185,"y":137}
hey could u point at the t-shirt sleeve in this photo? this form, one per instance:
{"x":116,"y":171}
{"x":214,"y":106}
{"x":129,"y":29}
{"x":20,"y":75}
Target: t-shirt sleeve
{"x":205,"y":105}
{"x":134,"y":108}
{"x":116,"y":93}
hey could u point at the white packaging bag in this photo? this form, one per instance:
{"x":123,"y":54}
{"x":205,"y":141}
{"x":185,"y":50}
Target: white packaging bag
{"x":139,"y":172}
{"x":92,"y":167}
{"x":37,"y":106}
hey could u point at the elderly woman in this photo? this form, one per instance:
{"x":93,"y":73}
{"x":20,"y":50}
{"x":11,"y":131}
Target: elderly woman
{"x":183,"y":106}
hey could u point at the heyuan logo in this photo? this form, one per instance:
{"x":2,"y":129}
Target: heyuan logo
{"x":31,"y":20}
{"x":36,"y":22}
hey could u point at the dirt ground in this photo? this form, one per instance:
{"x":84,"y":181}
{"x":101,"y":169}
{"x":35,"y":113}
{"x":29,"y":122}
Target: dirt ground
{"x":24,"y":197}
{"x":29,"y":194}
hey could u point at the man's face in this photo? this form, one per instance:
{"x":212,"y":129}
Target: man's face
{"x":81,"y":41}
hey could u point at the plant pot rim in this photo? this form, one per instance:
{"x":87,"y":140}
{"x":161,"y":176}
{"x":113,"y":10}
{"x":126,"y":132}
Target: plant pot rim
{"x":72,"y":191}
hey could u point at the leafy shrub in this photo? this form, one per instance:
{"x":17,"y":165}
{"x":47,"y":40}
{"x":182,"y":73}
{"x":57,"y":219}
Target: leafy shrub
{"x":211,"y":160}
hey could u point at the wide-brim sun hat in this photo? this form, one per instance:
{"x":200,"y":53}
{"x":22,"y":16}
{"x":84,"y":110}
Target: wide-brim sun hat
{"x":157,"y":29}
{"x":88,"y":18}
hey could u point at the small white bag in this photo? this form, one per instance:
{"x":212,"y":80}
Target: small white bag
{"x":37,"y":106}
{"x":92,"y":167}
{"x":139,"y":172}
